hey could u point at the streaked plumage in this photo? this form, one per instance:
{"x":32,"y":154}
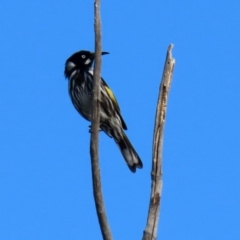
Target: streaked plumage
{"x":80,"y":75}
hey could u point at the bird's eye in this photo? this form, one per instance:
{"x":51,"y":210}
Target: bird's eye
{"x":83,"y":56}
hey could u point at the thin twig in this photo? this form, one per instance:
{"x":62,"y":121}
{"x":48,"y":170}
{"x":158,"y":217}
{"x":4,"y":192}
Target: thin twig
{"x":96,"y":178}
{"x":150,"y":232}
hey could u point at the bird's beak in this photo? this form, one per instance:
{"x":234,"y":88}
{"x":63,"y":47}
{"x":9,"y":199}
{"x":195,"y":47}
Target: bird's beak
{"x":103,"y":53}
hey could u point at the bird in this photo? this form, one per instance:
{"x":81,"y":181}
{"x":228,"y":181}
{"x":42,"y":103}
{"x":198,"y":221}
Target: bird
{"x":78,"y":70}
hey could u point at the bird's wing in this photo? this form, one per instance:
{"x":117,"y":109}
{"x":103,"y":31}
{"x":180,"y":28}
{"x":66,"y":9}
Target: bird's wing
{"x":114,"y":101}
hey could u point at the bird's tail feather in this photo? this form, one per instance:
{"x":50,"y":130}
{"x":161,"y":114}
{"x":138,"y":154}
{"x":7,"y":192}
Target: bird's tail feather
{"x":130,"y":155}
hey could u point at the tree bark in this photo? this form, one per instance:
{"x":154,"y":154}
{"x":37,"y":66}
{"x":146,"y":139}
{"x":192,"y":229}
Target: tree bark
{"x":96,"y":178}
{"x":150,"y":232}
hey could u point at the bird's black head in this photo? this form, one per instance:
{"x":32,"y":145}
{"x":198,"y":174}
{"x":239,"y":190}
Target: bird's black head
{"x":81,"y":60}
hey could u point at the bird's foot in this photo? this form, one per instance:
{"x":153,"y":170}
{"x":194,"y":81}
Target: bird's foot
{"x":90,"y":129}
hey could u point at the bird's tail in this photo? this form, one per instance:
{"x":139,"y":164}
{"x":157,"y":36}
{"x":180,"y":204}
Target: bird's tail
{"x":130,"y":155}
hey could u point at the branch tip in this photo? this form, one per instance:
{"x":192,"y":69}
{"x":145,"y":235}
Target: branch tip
{"x":150,"y":232}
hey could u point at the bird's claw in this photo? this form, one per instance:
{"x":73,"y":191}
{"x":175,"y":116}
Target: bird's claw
{"x":90,"y":129}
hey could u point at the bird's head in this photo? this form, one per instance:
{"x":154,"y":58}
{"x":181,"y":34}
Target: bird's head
{"x":82,"y":60}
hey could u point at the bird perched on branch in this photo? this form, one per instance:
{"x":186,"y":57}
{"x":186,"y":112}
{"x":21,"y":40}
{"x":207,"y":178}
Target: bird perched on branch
{"x":80,"y":86}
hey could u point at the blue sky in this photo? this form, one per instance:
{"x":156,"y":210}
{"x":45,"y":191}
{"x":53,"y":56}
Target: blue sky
{"x":45,"y":178}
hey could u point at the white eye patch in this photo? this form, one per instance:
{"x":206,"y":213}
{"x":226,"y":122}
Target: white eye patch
{"x":70,"y":65}
{"x":87,"y":61}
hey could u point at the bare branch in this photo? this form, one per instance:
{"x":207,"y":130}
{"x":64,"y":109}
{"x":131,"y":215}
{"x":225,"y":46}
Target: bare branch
{"x":150,"y":232}
{"x":96,"y":178}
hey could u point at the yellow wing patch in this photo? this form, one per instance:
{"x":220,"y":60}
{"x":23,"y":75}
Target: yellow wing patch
{"x":115,"y":104}
{"x":110,"y":94}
